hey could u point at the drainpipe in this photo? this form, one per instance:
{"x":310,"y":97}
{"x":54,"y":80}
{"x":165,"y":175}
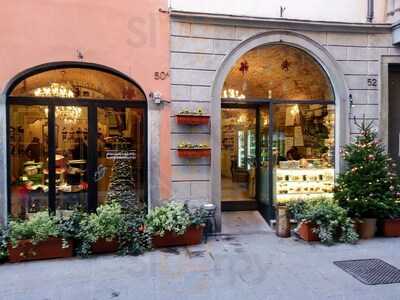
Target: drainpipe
{"x":370,"y":12}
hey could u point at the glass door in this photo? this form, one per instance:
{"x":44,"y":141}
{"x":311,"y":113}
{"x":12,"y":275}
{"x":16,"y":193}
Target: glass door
{"x":70,"y":158}
{"x":238,"y":158}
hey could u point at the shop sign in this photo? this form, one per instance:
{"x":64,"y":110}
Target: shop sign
{"x":116,"y":154}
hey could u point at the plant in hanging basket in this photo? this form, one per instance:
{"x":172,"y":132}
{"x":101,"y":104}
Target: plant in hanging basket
{"x":189,"y":150}
{"x":39,"y":237}
{"x":175,"y":225}
{"x":196,"y":117}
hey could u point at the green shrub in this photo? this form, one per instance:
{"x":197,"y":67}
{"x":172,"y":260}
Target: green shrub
{"x":3,"y":244}
{"x":330,"y":220}
{"x":173,"y":216}
{"x":104,"y":224}
{"x":37,"y":228}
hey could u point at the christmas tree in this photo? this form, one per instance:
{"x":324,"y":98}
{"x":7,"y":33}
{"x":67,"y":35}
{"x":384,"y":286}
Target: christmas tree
{"x":369,"y":187}
{"x":122,"y":185}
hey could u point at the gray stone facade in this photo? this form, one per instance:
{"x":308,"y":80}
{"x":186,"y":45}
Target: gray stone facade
{"x":201,"y":45}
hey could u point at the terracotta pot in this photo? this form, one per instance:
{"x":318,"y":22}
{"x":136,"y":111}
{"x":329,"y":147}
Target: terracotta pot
{"x":194,"y":153}
{"x":51,"y":248}
{"x":192,"y":236}
{"x":105,"y":246}
{"x":391,"y":227}
{"x":367,"y":228}
{"x":305,"y":231}
{"x":192,"y":119}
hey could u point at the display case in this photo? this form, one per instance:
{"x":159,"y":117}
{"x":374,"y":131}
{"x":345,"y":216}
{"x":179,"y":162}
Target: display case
{"x":303,"y":183}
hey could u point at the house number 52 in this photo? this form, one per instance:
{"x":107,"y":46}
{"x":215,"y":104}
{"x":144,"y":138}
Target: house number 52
{"x":372,"y":82}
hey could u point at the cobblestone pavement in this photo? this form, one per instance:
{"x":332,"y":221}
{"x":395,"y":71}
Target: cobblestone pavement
{"x":252,"y":264}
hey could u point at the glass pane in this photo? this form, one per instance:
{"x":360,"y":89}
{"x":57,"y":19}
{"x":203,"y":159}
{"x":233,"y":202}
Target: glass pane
{"x":238,"y":154}
{"x":277,"y":72}
{"x":303,"y":149}
{"x":29,"y":150}
{"x":78,"y":83}
{"x":71,"y":144}
{"x":121,"y":155}
{"x":264,"y":197}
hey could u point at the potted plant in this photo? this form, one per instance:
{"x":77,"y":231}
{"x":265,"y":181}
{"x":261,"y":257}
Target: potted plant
{"x":188,"y":117}
{"x":323,"y":219}
{"x":39,"y":237}
{"x":99,"y":232}
{"x":174,"y":225}
{"x":368,"y":189}
{"x":391,"y":224}
{"x":189,"y":150}
{"x":3,"y":245}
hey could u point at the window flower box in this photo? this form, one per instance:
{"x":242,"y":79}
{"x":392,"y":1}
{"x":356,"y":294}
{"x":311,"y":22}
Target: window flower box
{"x":50,"y":248}
{"x":194,"y":152}
{"x":105,"y":246}
{"x":192,"y":119}
{"x":192,"y":236}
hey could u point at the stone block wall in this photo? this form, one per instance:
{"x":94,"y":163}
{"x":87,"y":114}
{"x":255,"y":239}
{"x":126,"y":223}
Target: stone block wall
{"x":197,"y":50}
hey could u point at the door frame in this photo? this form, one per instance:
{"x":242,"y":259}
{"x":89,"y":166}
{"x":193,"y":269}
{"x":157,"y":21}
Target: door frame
{"x":266,"y":211}
{"x":92,"y":105}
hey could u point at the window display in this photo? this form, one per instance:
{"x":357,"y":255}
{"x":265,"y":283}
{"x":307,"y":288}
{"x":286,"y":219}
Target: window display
{"x":63,"y":151}
{"x":303,"y":149}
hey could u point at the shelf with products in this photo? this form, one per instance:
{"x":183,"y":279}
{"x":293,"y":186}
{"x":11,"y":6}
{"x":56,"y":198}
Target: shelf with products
{"x":296,"y":183}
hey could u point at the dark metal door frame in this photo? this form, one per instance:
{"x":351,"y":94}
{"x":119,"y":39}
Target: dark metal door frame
{"x":92,"y":105}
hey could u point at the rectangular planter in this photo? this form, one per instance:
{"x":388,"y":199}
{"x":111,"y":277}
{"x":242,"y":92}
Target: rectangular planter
{"x":391,"y":228}
{"x":192,"y":236}
{"x":305,"y":231}
{"x":192,"y":119}
{"x":105,"y":246}
{"x":194,"y":153}
{"x":51,"y":248}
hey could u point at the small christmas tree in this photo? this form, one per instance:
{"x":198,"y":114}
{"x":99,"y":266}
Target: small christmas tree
{"x":122,"y":185}
{"x":369,"y":187}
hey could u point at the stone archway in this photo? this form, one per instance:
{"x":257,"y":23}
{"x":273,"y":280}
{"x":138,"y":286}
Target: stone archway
{"x":318,"y":52}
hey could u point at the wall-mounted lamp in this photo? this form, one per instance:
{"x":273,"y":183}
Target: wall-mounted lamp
{"x":156,"y":97}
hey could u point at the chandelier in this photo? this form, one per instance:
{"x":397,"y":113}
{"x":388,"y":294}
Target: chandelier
{"x":54,"y":90}
{"x":68,"y":114}
{"x":233,"y":94}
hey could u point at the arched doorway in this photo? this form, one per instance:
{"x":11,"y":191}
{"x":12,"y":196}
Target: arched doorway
{"x":277,"y":129}
{"x":69,"y":125}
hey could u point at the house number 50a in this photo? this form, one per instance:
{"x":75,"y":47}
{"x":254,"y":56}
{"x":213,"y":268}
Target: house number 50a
{"x":372,"y":82}
{"x":161,"y":75}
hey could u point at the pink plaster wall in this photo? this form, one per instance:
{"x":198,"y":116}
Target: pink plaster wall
{"x":131,"y":36}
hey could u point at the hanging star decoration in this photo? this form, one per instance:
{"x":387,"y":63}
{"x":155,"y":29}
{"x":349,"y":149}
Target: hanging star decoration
{"x":285,"y":65}
{"x":244,"y":67}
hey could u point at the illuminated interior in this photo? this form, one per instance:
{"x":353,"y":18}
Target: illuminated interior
{"x":281,"y":148}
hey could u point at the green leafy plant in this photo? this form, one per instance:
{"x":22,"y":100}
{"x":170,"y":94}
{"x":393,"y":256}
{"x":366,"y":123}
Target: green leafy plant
{"x":106,"y":224}
{"x":39,"y":227}
{"x":3,"y":244}
{"x":173,"y":216}
{"x":369,"y":187}
{"x":198,"y":112}
{"x":134,"y":240}
{"x":330,"y":220}
{"x":185,"y":145}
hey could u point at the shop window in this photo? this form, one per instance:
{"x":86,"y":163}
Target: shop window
{"x":69,"y":131}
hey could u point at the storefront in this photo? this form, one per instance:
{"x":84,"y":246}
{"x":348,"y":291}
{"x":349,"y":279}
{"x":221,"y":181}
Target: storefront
{"x":277,"y":130}
{"x":68,"y":127}
{"x":282,"y":96}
